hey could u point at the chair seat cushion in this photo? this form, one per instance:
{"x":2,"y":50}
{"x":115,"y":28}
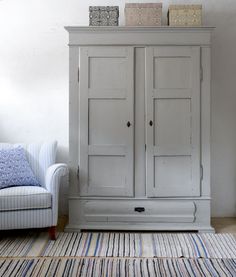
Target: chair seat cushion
{"x":24,"y":198}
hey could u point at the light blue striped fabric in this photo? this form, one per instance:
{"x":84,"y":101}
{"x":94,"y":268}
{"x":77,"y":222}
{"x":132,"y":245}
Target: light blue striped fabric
{"x":40,"y":156}
{"x":24,"y":198}
{"x":26,"y":219}
{"x":40,"y":206}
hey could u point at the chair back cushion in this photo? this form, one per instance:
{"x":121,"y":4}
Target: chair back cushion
{"x":15,"y":169}
{"x":39,"y":155}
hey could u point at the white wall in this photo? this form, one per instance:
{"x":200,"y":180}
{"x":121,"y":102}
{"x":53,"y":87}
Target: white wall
{"x":34,"y":80}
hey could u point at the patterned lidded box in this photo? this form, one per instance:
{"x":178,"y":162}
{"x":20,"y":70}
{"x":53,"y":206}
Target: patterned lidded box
{"x":140,"y":14}
{"x":103,"y":16}
{"x":185,"y":15}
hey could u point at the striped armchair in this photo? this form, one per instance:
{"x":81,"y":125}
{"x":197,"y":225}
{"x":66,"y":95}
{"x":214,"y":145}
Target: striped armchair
{"x":29,"y":206}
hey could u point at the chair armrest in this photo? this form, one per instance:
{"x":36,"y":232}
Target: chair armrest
{"x":52,"y":184}
{"x":53,"y":175}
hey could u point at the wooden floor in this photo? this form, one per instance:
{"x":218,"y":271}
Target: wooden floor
{"x":221,"y":224}
{"x":224,"y":224}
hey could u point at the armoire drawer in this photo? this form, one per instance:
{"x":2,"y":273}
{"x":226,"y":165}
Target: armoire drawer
{"x":139,"y":211}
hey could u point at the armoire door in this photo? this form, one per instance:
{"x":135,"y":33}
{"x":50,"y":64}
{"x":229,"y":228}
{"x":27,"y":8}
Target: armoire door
{"x":106,"y":121}
{"x":173,"y":121}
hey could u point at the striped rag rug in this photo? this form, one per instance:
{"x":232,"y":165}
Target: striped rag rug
{"x":128,"y":267}
{"x":118,"y":254}
{"x":173,"y":245}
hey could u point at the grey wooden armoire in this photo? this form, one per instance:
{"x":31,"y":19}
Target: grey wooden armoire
{"x":139,"y":128}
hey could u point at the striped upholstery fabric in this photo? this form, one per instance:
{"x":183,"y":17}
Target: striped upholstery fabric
{"x":26,"y":219}
{"x":24,"y":198}
{"x":40,"y":156}
{"x":27,"y":207}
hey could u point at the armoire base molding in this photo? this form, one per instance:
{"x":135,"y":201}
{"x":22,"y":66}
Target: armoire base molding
{"x":140,"y":214}
{"x":163,"y":228}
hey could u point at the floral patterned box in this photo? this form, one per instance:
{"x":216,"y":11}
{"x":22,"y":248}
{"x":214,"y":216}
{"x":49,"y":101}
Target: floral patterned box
{"x":103,"y":16}
{"x":140,"y":14}
{"x":185,"y":15}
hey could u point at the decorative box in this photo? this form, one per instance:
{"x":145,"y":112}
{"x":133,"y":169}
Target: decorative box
{"x":103,"y":15}
{"x":185,"y":15}
{"x":148,"y":14}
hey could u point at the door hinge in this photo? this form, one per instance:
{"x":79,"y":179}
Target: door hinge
{"x":201,"y":172}
{"x":77,"y":173}
{"x":78,"y":75}
{"x":145,"y":147}
{"x":201,"y":73}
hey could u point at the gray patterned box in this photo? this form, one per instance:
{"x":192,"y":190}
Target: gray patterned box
{"x":103,"y":16}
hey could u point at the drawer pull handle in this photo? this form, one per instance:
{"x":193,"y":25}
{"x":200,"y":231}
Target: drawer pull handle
{"x":139,"y":209}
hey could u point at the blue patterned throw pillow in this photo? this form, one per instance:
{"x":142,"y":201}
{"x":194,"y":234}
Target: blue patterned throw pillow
{"x":15,"y":169}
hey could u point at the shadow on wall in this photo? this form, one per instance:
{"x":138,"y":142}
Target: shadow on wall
{"x":62,"y":157}
{"x":223,"y":99}
{"x":62,"y":154}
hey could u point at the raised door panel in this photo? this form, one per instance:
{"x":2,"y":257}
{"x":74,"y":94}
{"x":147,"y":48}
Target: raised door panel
{"x":172,"y":126}
{"x":173,"y":121}
{"x":106,"y":106}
